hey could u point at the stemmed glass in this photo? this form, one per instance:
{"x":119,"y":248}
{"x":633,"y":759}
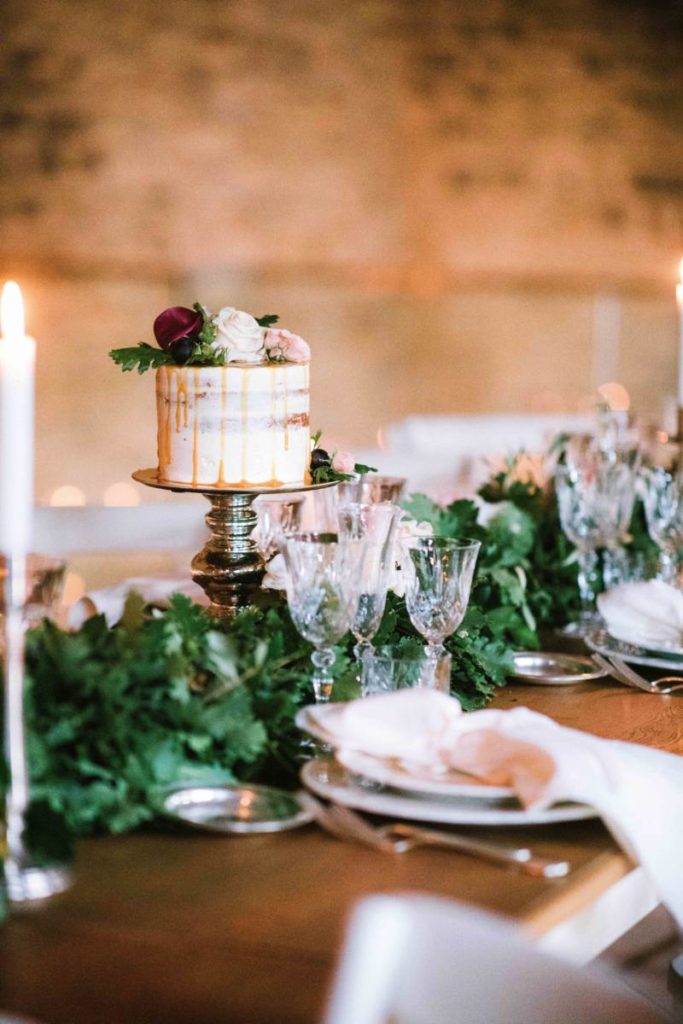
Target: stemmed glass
{"x":663,"y":501}
{"x":322,"y":594}
{"x":371,"y":488}
{"x":595,"y":500}
{"x":278,"y":515}
{"x":375,"y":525}
{"x":439,"y":578}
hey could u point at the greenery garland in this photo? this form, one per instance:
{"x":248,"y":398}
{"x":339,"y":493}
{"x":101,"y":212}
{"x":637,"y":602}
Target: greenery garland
{"x":116,"y":714}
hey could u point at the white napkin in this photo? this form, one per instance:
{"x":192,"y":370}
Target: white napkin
{"x":649,"y":614}
{"x":638,"y":791}
{"x":110,"y":601}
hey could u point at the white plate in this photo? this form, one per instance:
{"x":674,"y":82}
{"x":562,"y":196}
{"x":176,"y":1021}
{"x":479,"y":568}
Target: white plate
{"x":330,"y":781}
{"x":604,"y":643}
{"x":393,"y":774}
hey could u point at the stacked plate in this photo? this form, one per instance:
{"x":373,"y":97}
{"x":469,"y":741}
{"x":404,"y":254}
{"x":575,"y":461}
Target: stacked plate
{"x":669,"y":657}
{"x":394,"y":789}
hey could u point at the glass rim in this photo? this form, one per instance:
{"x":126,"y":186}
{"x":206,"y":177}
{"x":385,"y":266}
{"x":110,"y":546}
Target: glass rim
{"x":456,"y":543}
{"x":362,"y":505}
{"x":313,"y":537}
{"x":384,"y":477}
{"x":292,"y":497}
{"x":386,"y":653}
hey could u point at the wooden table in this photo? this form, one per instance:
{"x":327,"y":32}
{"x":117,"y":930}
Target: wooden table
{"x":188,"y":929}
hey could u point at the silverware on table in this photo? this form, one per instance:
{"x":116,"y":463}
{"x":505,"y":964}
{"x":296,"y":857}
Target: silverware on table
{"x":623,"y":673}
{"x":399,"y":837}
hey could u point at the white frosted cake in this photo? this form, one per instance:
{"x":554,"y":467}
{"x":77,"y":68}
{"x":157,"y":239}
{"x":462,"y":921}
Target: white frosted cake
{"x":240,"y":425}
{"x":232,"y":395}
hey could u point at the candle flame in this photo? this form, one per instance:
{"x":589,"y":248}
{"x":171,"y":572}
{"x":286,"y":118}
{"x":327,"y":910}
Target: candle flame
{"x":12,"y":311}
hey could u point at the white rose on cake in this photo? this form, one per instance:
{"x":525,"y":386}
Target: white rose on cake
{"x":240,"y":335}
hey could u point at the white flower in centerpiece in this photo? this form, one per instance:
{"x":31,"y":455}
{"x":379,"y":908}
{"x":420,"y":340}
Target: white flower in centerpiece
{"x":407,"y":529}
{"x":240,"y":335}
{"x":276,"y":574}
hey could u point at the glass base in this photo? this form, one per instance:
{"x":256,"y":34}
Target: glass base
{"x":28,"y":883}
{"x":582,"y":627}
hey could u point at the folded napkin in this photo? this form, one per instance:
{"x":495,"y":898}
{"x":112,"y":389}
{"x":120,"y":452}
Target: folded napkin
{"x":638,"y":791}
{"x":649,"y":614}
{"x":110,"y":601}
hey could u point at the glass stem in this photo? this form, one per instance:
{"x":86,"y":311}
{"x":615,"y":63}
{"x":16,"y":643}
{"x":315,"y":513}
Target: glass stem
{"x":668,"y":565}
{"x":434,"y":651}
{"x":588,"y":581}
{"x":323,"y":660}
{"x":361,"y":649}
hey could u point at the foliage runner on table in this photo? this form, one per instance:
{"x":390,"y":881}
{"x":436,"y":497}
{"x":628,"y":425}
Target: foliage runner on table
{"x":116,"y":714}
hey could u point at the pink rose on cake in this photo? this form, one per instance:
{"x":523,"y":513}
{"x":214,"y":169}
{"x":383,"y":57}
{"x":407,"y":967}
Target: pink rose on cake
{"x":281,"y":344}
{"x":344,"y":462}
{"x":239,"y":335}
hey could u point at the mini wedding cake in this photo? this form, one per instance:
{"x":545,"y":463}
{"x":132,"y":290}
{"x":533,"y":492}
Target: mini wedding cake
{"x":240,"y":425}
{"x":232,"y":399}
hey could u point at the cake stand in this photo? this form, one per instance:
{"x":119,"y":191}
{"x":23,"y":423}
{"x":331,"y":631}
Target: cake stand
{"x":229,"y":568}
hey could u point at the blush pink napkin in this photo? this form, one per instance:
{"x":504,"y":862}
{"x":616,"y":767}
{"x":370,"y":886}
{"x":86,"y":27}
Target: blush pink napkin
{"x":638,"y":791}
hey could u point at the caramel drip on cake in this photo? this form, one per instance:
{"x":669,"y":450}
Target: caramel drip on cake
{"x":221,"y":482}
{"x":181,"y":403}
{"x":164,"y":433}
{"x":195,"y":428}
{"x":273,"y":444}
{"x":244,"y":414}
{"x":286,"y":410}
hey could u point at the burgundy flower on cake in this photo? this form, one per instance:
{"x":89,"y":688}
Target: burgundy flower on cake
{"x":176,"y":323}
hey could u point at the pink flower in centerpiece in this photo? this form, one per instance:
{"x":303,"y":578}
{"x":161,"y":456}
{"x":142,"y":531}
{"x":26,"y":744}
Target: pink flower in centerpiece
{"x":281,"y":344}
{"x":344,"y":462}
{"x":176,"y":323}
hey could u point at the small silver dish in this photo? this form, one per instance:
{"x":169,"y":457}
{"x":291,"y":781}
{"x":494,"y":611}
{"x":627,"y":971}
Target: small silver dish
{"x":241,"y":808}
{"x":549,"y":669}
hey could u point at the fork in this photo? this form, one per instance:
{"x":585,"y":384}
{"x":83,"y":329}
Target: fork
{"x":625,"y":674}
{"x":401,"y":838}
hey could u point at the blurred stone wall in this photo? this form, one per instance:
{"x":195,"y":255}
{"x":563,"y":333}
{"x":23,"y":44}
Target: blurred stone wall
{"x":437,"y":195}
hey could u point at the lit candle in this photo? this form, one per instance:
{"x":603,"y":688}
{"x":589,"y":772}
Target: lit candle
{"x":679,"y":302}
{"x":17,"y":361}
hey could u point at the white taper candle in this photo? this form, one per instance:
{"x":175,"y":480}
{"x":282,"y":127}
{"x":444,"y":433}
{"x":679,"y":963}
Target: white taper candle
{"x":17,"y":365}
{"x":679,"y":303}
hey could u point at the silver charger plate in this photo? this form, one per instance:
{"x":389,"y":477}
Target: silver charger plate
{"x":238,"y":809}
{"x":549,"y":669}
{"x":329,"y":780}
{"x":604,"y":643}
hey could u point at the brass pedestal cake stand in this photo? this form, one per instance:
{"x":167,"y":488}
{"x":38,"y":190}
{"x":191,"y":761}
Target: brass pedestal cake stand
{"x":229,"y":568}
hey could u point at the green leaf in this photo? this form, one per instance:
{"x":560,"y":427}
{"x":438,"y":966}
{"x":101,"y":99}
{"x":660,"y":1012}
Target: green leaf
{"x":268,"y":320}
{"x":133,"y":615}
{"x":142,"y":356}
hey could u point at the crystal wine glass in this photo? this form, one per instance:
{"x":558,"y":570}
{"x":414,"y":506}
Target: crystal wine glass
{"x":663,"y":501}
{"x":375,"y":525}
{"x":371,"y":489}
{"x":595,"y":500}
{"x":439,"y":575}
{"x":322,"y":594}
{"x":278,"y":515}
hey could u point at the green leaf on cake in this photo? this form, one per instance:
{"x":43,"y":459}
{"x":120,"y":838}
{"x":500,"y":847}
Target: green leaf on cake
{"x":268,"y":320}
{"x":143,"y":357}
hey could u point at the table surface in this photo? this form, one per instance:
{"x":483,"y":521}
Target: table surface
{"x":193,"y":929}
{"x":188,"y":929}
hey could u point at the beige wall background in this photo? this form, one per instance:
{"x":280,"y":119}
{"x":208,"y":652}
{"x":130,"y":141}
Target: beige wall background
{"x":444,"y":198}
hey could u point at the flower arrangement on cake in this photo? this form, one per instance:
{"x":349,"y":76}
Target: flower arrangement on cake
{"x":233,"y":401}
